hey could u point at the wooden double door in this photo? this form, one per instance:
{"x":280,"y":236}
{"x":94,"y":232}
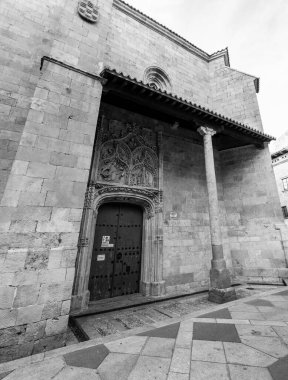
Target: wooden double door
{"x":116,"y":259}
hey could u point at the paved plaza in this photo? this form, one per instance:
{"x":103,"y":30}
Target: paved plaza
{"x":245,"y":339}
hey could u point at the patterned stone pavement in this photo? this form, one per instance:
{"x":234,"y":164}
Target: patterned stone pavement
{"x":243,"y":340}
{"x":117,"y":321}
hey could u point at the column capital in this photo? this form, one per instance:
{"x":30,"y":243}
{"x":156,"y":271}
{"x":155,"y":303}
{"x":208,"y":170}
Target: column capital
{"x":206,"y":131}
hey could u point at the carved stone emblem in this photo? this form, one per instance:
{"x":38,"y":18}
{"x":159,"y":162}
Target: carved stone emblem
{"x":128,"y":156}
{"x":88,"y":9}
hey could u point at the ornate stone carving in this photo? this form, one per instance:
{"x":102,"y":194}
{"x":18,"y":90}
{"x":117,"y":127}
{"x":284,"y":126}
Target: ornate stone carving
{"x":127,"y":194}
{"x":157,"y":79}
{"x":88,"y":9}
{"x":153,"y":194}
{"x":83,"y":242}
{"x":128,"y":156}
{"x":206,"y":131}
{"x":89,"y":196}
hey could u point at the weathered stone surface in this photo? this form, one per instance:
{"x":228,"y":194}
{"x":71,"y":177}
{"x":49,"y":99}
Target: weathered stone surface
{"x":55,"y":292}
{"x":37,"y":259}
{"x":65,"y":308}
{"x":29,"y":314}
{"x":47,"y":368}
{"x":49,"y":343}
{"x":11,"y":336}
{"x":8,"y":353}
{"x":14,"y":261}
{"x":220,"y":278}
{"x":57,"y":325}
{"x":51,"y":310}
{"x":222,"y":295}
{"x":7,"y":318}
{"x":117,"y":365}
{"x":34,"y":331}
{"x":6,"y":296}
{"x":26,"y":295}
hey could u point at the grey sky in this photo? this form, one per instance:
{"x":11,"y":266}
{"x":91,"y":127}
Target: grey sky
{"x":256,"y":33}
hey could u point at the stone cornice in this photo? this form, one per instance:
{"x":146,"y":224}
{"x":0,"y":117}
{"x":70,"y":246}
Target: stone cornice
{"x":72,"y":68}
{"x":172,"y":36}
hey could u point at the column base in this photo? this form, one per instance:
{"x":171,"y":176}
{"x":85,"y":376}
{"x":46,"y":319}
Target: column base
{"x":79,"y":302}
{"x":153,"y":289}
{"x":145,"y":288}
{"x":222,"y":295}
{"x":220,"y":278}
{"x":157,"y":288}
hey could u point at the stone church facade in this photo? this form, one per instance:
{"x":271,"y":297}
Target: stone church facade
{"x":109,"y":122}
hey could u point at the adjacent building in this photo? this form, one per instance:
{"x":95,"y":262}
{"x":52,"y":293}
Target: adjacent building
{"x":131,"y":161}
{"x":279,"y":157}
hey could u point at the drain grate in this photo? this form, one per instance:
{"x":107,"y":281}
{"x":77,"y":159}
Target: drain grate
{"x":77,"y":330}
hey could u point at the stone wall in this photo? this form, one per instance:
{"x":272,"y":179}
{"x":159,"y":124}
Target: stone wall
{"x":253,"y":215}
{"x":190,"y":79}
{"x":30,"y":30}
{"x":187,"y":245}
{"x":233,"y":94}
{"x":26,"y":30}
{"x":41,"y":211}
{"x":48,"y":124}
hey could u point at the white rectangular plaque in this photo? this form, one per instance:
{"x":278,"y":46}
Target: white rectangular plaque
{"x":106,"y":242}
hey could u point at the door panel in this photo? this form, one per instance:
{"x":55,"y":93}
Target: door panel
{"x":101,"y":273}
{"x":128,"y":250}
{"x":116,"y":259}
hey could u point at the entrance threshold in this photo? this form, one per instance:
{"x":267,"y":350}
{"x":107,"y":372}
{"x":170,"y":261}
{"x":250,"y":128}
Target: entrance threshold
{"x":132,"y":300}
{"x":130,"y":312}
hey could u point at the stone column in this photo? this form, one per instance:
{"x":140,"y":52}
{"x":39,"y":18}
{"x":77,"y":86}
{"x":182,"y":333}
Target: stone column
{"x":219,"y":275}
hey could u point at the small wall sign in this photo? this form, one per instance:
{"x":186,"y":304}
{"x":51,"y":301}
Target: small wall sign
{"x":100,"y":257}
{"x":106,"y":242}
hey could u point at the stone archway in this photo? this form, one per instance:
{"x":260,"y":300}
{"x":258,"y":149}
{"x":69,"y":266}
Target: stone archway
{"x":151,"y":282}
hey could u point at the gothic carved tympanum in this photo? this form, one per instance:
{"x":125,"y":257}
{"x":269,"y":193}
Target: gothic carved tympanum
{"x":128,"y":156}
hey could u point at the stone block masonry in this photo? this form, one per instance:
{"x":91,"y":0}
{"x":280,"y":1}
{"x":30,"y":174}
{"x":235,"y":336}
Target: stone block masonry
{"x":232,"y":93}
{"x":41,"y":212}
{"x":48,"y":122}
{"x":253,"y":212}
{"x":29,"y":31}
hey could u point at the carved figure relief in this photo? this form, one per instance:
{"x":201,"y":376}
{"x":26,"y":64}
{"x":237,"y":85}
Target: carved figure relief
{"x":128,"y":156}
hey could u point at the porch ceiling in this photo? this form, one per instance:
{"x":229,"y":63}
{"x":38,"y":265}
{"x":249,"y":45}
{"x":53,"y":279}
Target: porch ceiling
{"x":131,"y":94}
